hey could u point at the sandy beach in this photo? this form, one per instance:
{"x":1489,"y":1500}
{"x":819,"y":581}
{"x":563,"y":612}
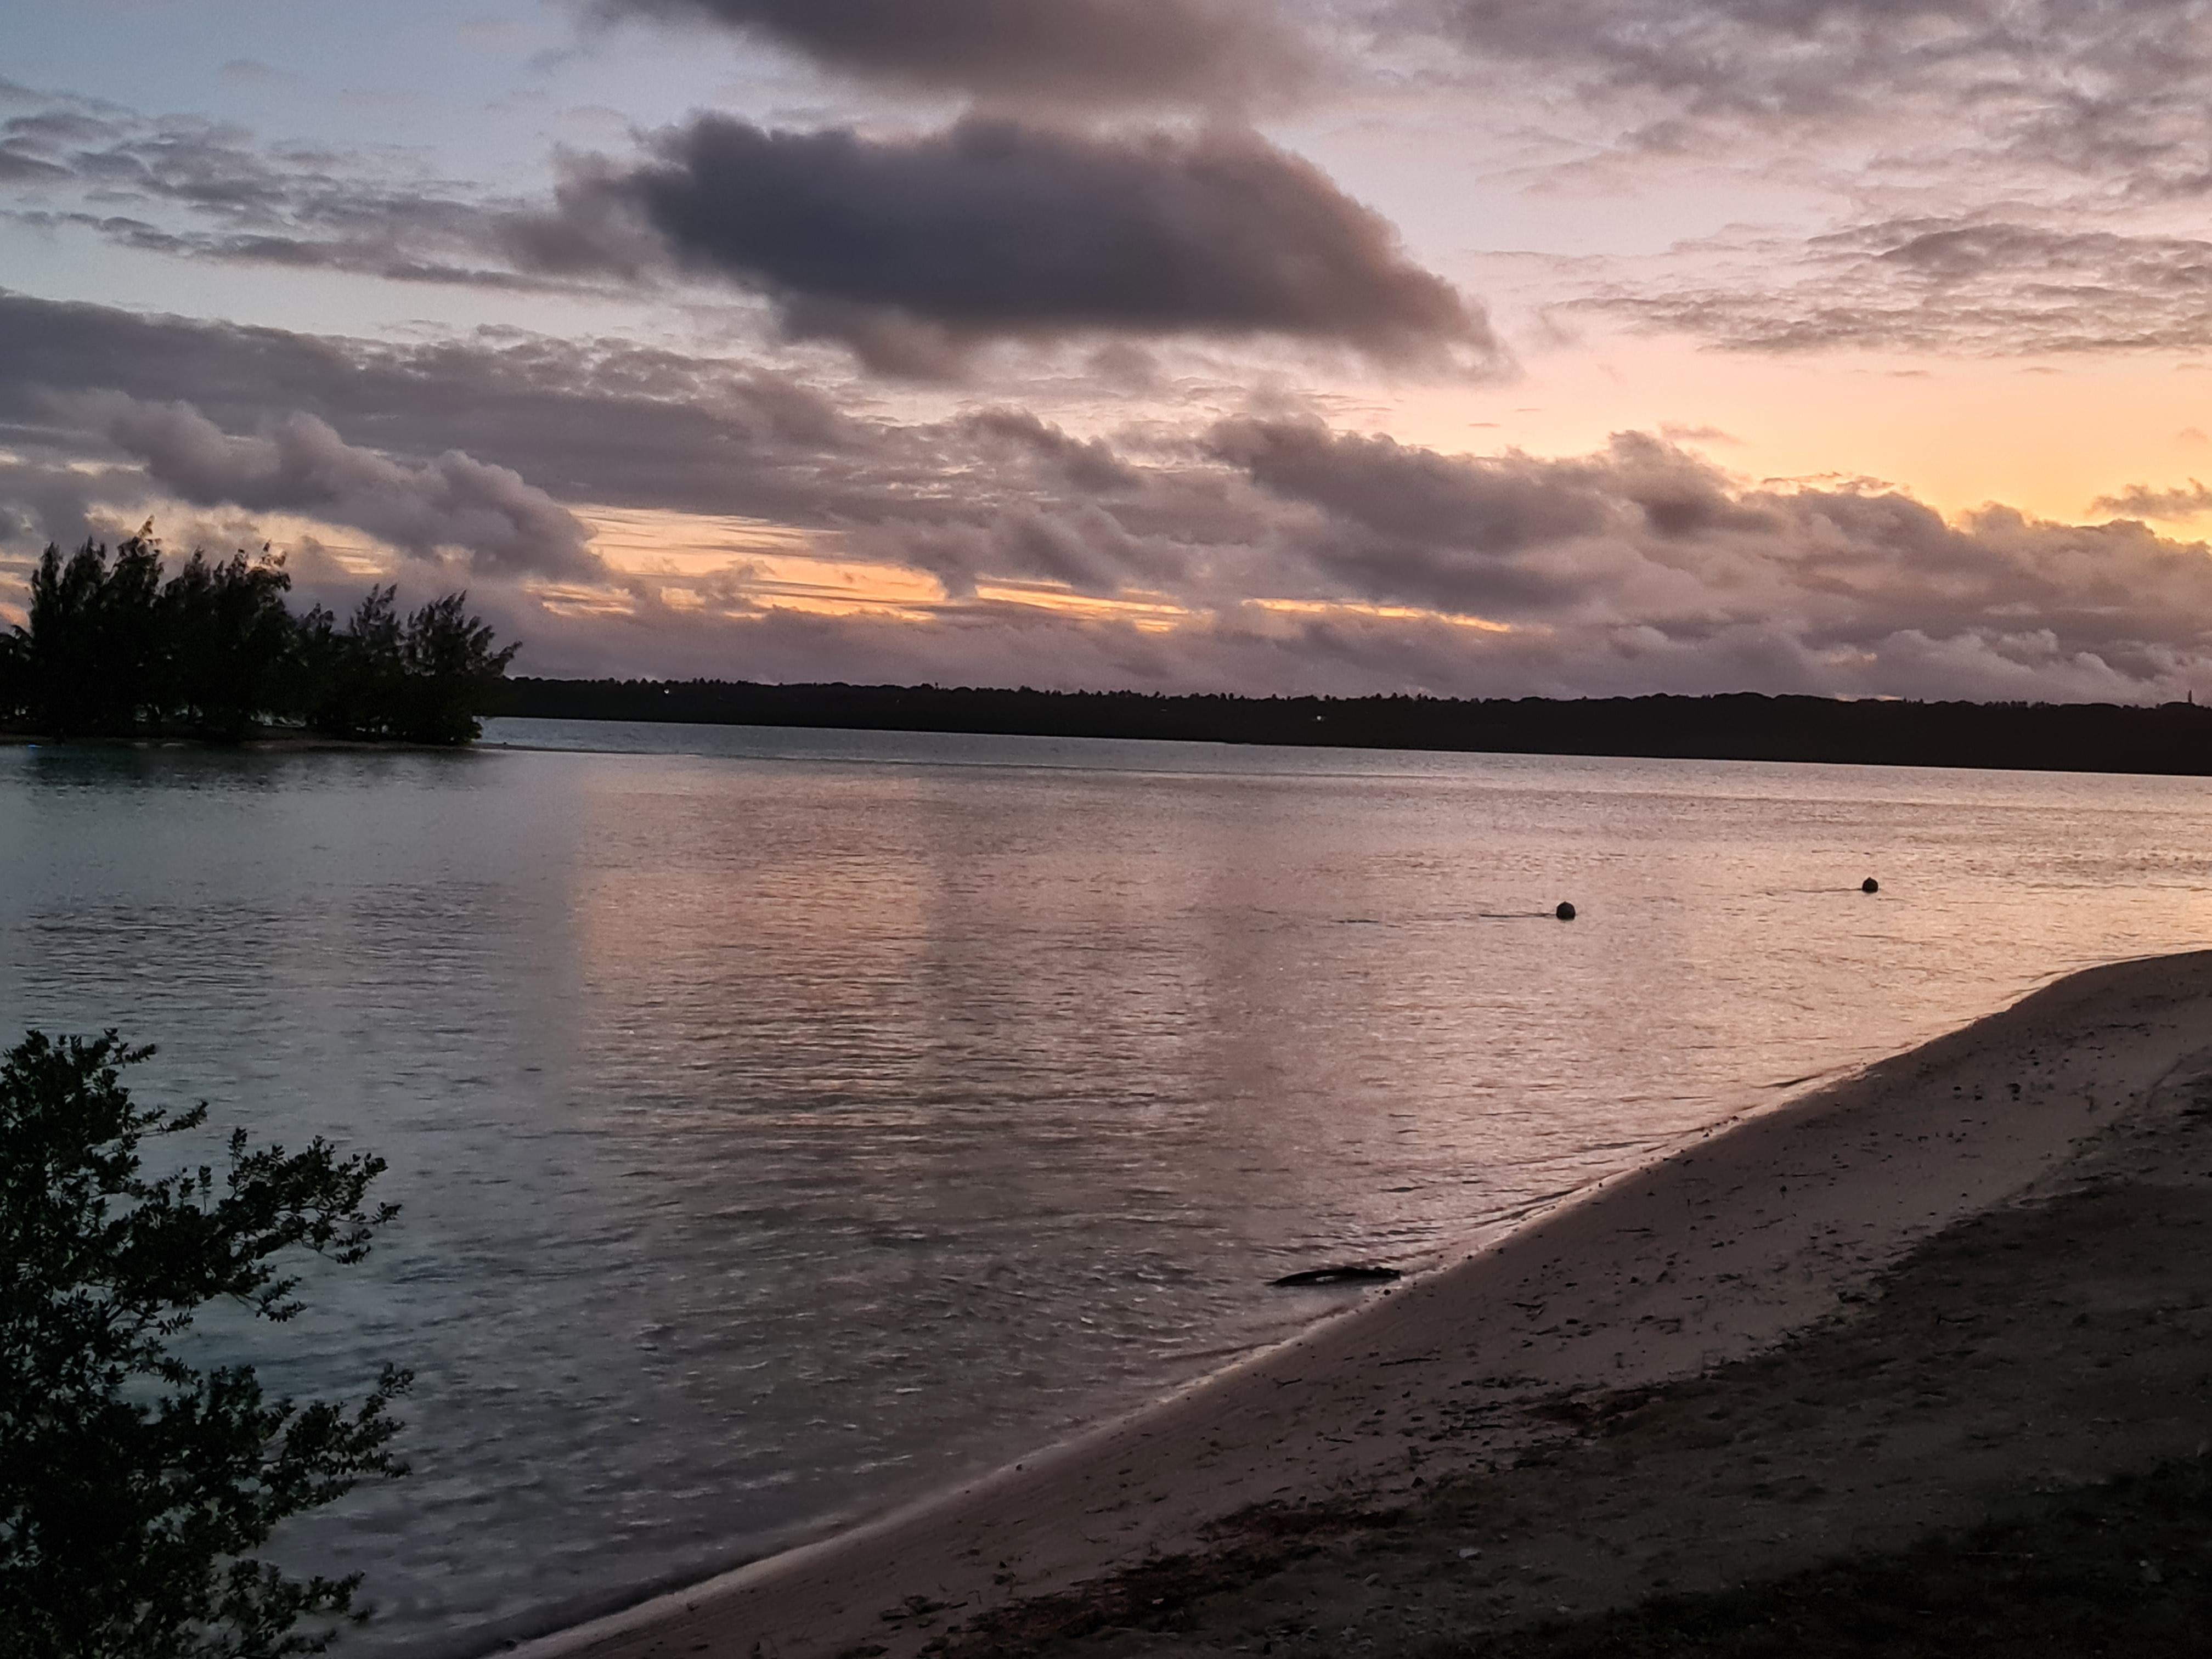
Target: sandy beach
{"x":1899,"y":1301}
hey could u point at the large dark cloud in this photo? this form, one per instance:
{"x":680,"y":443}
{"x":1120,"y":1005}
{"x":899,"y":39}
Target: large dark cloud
{"x":1122,"y":51}
{"x":910,"y":252}
{"x":912,"y":249}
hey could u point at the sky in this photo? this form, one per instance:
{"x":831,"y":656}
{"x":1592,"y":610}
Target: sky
{"x":1456,"y":347}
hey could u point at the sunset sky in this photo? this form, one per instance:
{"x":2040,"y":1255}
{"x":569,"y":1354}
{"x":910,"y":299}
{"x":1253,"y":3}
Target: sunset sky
{"x":1471,"y":347}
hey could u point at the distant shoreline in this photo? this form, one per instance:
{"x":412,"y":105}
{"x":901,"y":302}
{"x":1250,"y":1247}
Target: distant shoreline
{"x":2172,"y":739}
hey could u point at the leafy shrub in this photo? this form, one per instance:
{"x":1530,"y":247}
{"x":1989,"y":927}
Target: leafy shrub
{"x":133,"y":1485}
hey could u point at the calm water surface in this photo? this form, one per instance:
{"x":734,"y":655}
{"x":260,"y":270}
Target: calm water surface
{"x":789,"y":1122}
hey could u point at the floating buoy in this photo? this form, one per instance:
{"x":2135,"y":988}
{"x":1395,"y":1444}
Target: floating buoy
{"x":1566,"y":911}
{"x":1869,"y":886}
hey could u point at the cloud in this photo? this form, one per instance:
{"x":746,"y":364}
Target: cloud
{"x":1087,"y":464}
{"x":1639,"y":568}
{"x":1255,"y":554}
{"x":299,"y":464}
{"x":251,"y":71}
{"x":1644,"y":543}
{"x":1786,"y":57}
{"x":2093,"y":88}
{"x":1507,"y":535}
{"x":189,"y":187}
{"x":1266,"y":652}
{"x":605,"y":422}
{"x":911,"y":251}
{"x":1126,"y":51}
{"x":390,"y":256}
{"x":2142,"y":501}
{"x":1987,"y":286}
{"x":16,"y":168}
{"x":1085,"y":548}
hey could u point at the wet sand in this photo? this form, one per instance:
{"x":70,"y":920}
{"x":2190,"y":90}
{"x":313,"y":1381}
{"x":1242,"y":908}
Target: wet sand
{"x":1532,"y":1431}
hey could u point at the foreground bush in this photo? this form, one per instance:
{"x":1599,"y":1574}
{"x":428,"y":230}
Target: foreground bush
{"x":134,"y":1486}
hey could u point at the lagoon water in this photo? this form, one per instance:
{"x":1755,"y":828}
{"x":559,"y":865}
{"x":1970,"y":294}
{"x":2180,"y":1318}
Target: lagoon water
{"x":787,"y":1122}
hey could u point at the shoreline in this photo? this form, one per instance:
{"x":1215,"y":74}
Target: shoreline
{"x":1293,"y":746}
{"x":2165,"y":738}
{"x":1758,"y":1229}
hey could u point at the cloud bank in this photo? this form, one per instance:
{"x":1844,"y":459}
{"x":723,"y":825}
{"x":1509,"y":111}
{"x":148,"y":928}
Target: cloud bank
{"x":299,"y":464}
{"x":1256,"y":553}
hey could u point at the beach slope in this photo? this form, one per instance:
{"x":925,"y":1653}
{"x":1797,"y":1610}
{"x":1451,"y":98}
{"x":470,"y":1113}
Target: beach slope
{"x":1757,"y":1232}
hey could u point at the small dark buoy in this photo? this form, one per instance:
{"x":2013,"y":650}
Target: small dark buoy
{"x":1566,"y":911}
{"x":1869,"y":886}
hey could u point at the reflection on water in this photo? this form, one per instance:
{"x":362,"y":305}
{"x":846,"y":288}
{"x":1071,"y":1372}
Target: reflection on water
{"x":785,"y":1120}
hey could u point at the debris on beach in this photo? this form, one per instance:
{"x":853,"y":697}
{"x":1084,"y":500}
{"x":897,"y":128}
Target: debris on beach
{"x":1351,"y":1274}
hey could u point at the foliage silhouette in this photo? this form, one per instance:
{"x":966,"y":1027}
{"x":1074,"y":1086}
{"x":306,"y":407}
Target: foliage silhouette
{"x":133,"y":1485}
{"x":91,"y":648}
{"x":112,"y":650}
{"x":451,"y":669}
{"x":423,"y":679}
{"x":228,"y":641}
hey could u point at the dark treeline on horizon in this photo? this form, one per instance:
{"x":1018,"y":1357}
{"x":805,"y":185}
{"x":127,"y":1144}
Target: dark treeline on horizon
{"x":2172,"y":737}
{"x":114,"y":650}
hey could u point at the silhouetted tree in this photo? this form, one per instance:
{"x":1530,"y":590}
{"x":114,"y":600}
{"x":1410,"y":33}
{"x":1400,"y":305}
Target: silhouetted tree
{"x":354,"y":675}
{"x":15,"y":678}
{"x":227,"y":642}
{"x":111,"y":650}
{"x":133,"y":1485}
{"x":451,"y":669}
{"x":90,"y":652}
